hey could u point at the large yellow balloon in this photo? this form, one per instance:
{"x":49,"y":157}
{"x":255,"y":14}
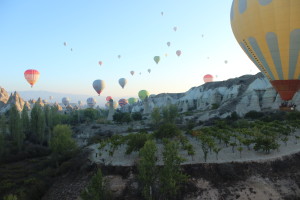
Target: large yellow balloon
{"x":269,"y":33}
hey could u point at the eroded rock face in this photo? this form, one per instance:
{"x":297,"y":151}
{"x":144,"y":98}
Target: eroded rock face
{"x":14,"y":99}
{"x":3,"y":97}
{"x":240,"y":95}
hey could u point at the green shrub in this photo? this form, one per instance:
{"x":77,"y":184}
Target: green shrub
{"x":167,"y":130}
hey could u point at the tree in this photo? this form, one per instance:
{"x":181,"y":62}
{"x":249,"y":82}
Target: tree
{"x":3,"y":127}
{"x":48,"y":122}
{"x":61,"y":142}
{"x":170,"y":175}
{"x":10,"y":197}
{"x":2,"y":144}
{"x":96,"y":189}
{"x":170,"y":113}
{"x":15,"y":127}
{"x":156,"y":117}
{"x":136,"y":116}
{"x":167,"y":130}
{"x":38,"y":124}
{"x":147,"y":170}
{"x":25,"y":121}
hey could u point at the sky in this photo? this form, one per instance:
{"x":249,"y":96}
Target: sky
{"x":33,"y":33}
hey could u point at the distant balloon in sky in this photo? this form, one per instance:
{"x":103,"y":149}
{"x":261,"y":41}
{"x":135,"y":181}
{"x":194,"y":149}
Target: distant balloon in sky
{"x":132,"y":100}
{"x":32,"y":76}
{"x":225,"y":61}
{"x":123,"y":102}
{"x":140,"y":73}
{"x":100,"y":63}
{"x":65,"y":44}
{"x":122,"y":82}
{"x":208,"y":78}
{"x":149,"y":70}
{"x":166,"y":55}
{"x":143,"y":94}
{"x":71,"y":49}
{"x":80,"y":103}
{"x":132,"y":73}
{"x":202,"y":35}
{"x":99,"y":86}
{"x":175,"y":28}
{"x":273,"y":45}
{"x":108,"y":98}
{"x":119,"y":56}
{"x":65,"y":101}
{"x":91,"y":102}
{"x":168,"y":43}
{"x":162,"y":13}
{"x":156,"y":59}
{"x":178,"y":53}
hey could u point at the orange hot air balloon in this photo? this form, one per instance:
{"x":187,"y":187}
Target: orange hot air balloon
{"x":208,"y":78}
{"x":32,"y":76}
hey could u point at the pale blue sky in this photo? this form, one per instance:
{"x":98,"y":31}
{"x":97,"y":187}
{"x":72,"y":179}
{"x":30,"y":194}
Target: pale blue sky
{"x":33,"y":33}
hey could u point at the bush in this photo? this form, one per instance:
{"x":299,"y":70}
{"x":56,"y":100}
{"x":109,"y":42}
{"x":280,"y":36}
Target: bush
{"x":215,"y":106}
{"x":254,"y":115}
{"x":136,"y":116}
{"x":167,"y":130}
{"x":136,"y":141}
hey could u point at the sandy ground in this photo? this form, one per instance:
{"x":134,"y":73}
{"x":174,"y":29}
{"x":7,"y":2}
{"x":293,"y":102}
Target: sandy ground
{"x":225,"y":155}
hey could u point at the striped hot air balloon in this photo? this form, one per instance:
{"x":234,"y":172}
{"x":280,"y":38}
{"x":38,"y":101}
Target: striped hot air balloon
{"x":32,"y":76}
{"x":123,"y":102}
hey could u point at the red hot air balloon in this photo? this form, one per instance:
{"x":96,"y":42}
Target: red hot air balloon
{"x":108,"y":98}
{"x":32,"y":76}
{"x":208,"y":78}
{"x":178,"y":53}
{"x":100,"y":63}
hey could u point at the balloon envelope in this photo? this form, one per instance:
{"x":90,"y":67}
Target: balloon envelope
{"x":65,"y":101}
{"x":91,"y":102}
{"x":156,"y":59}
{"x":178,"y":52}
{"x":100,"y":63}
{"x":122,"y":82}
{"x":269,"y":32}
{"x":175,"y":28}
{"x":208,"y":78}
{"x":132,"y":72}
{"x":168,"y":43}
{"x":99,"y":86}
{"x":108,"y":98}
{"x":149,"y":70}
{"x":132,"y":100}
{"x":143,"y":94}
{"x":32,"y":76}
{"x":123,"y":102}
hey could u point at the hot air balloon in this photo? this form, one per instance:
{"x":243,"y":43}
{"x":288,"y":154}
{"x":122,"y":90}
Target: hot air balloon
{"x":166,"y":54}
{"x":208,"y":78}
{"x":65,"y":44}
{"x":132,"y":73}
{"x":143,"y":94}
{"x":175,"y":28}
{"x":99,"y":86}
{"x":132,"y":100}
{"x":108,"y":98}
{"x":65,"y":101}
{"x":91,"y":102}
{"x":156,"y":59}
{"x":162,"y":13}
{"x":269,"y":32}
{"x":123,"y":102}
{"x":119,"y":56}
{"x":149,"y":70}
{"x":178,"y":53}
{"x":32,"y":76}
{"x":122,"y":82}
{"x":100,"y":63}
{"x":168,"y":43}
{"x":225,"y":61}
{"x":50,"y":97}
{"x":80,"y":103}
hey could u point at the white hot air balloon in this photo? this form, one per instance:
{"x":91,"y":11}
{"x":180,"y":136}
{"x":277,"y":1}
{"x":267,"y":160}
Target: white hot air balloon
{"x":91,"y":102}
{"x":122,"y":82}
{"x":65,"y":101}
